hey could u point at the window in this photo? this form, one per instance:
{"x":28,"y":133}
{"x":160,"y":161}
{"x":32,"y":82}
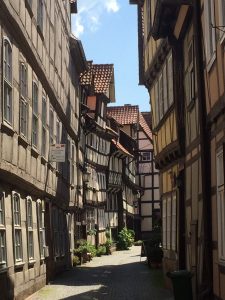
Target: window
{"x":7,"y":80}
{"x":18,"y":254}
{"x":40,"y":14}
{"x":34,"y":115}
{"x":23,"y":100}
{"x":146,"y":156}
{"x":220,"y":204}
{"x":44,"y":121}
{"x":210,"y":39}
{"x":73,"y":164}
{"x":30,"y":241}
{"x":190,"y":78}
{"x":57,"y":132}
{"x":174,"y":222}
{"x":221,"y":16}
{"x":41,"y":227}
{"x":51,"y":126}
{"x":170,"y":79}
{"x":2,"y":232}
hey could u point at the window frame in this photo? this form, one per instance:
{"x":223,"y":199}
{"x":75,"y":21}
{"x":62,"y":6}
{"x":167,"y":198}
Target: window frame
{"x":30,"y":233}
{"x":220,"y":203}
{"x":17,"y":229}
{"x":23,"y":116}
{"x":44,"y":126}
{"x":41,"y":228}
{"x":35,"y":115}
{"x":7,"y":83}
{"x":3,"y":245}
{"x":210,"y":32}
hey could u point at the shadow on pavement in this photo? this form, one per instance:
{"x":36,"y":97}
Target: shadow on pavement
{"x":133,"y":281}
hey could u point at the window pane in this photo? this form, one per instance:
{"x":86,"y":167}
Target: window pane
{"x":18,"y":244}
{"x":2,"y":212}
{"x":35,"y":98}
{"x":7,"y":61}
{"x":43,"y":148}
{"x":30,"y":244}
{"x":23,"y":118}
{"x":2,"y":247}
{"x":34,"y":130}
{"x":16,"y":210}
{"x":44,"y":109}
{"x":7,"y":103}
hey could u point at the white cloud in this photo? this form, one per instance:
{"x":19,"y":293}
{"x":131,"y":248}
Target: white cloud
{"x":78,"y":27}
{"x":112,"y":6}
{"x":89,"y":14}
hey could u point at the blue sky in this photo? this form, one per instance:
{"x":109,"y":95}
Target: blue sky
{"x":108,"y":31}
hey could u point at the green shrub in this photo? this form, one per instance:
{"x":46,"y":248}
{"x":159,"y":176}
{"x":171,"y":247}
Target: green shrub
{"x":125,"y":239}
{"x":108,"y":245}
{"x":84,"y":248}
{"x":76,"y":260}
{"x":101,"y":250}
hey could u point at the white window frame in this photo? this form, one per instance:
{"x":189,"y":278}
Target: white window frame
{"x":41,"y":227}
{"x":30,"y":234}
{"x":210,"y":32}
{"x":7,"y":82}
{"x":3,"y":246}
{"x":23,"y":100}
{"x":220,"y":204}
{"x":17,"y":229}
{"x":44,"y":126}
{"x":34,"y":138}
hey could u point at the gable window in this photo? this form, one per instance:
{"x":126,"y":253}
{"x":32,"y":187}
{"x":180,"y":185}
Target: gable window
{"x":34,"y":115}
{"x":7,"y":80}
{"x":146,"y":156}
{"x":40,"y":14}
{"x":41,"y":227}
{"x":30,"y":241}
{"x":44,"y":123}
{"x":2,"y":232}
{"x":18,"y":253}
{"x":220,"y":204}
{"x":210,"y":38}
{"x":23,"y":100}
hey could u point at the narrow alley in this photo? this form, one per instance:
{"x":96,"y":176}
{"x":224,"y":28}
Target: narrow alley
{"x":120,"y":276}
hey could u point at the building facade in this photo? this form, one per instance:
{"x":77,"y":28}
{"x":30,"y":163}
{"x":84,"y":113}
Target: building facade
{"x":195,"y":35}
{"x":40,"y":107}
{"x":148,"y":205}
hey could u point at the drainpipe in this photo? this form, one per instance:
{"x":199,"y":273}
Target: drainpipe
{"x":205,"y":290}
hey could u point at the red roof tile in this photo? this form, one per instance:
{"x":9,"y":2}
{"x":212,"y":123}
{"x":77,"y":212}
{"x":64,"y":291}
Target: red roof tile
{"x":99,"y":75}
{"x":127,"y":114}
{"x":145,"y":126}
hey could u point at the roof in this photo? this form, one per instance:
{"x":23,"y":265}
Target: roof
{"x":145,"y":126}
{"x":100,"y":75}
{"x":148,"y":118}
{"x":121,"y":148}
{"x":127,"y":114}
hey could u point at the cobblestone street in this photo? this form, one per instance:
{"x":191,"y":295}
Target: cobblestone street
{"x":120,"y":276}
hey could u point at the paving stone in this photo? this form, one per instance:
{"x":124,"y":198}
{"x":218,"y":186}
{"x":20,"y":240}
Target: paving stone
{"x":120,"y":276}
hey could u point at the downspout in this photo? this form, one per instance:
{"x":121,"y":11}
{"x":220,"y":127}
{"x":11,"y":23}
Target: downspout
{"x":205,"y":290}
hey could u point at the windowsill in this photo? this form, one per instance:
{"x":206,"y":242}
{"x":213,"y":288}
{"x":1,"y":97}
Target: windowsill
{"x":31,"y":262}
{"x":22,"y":140}
{"x":6,"y":127}
{"x":34,"y":152}
{"x":19,"y":265}
{"x":211,"y":62}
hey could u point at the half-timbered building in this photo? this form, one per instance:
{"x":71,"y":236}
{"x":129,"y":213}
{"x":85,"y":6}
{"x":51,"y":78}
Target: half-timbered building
{"x":39,"y":107}
{"x":147,"y":206}
{"x":98,"y":81}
